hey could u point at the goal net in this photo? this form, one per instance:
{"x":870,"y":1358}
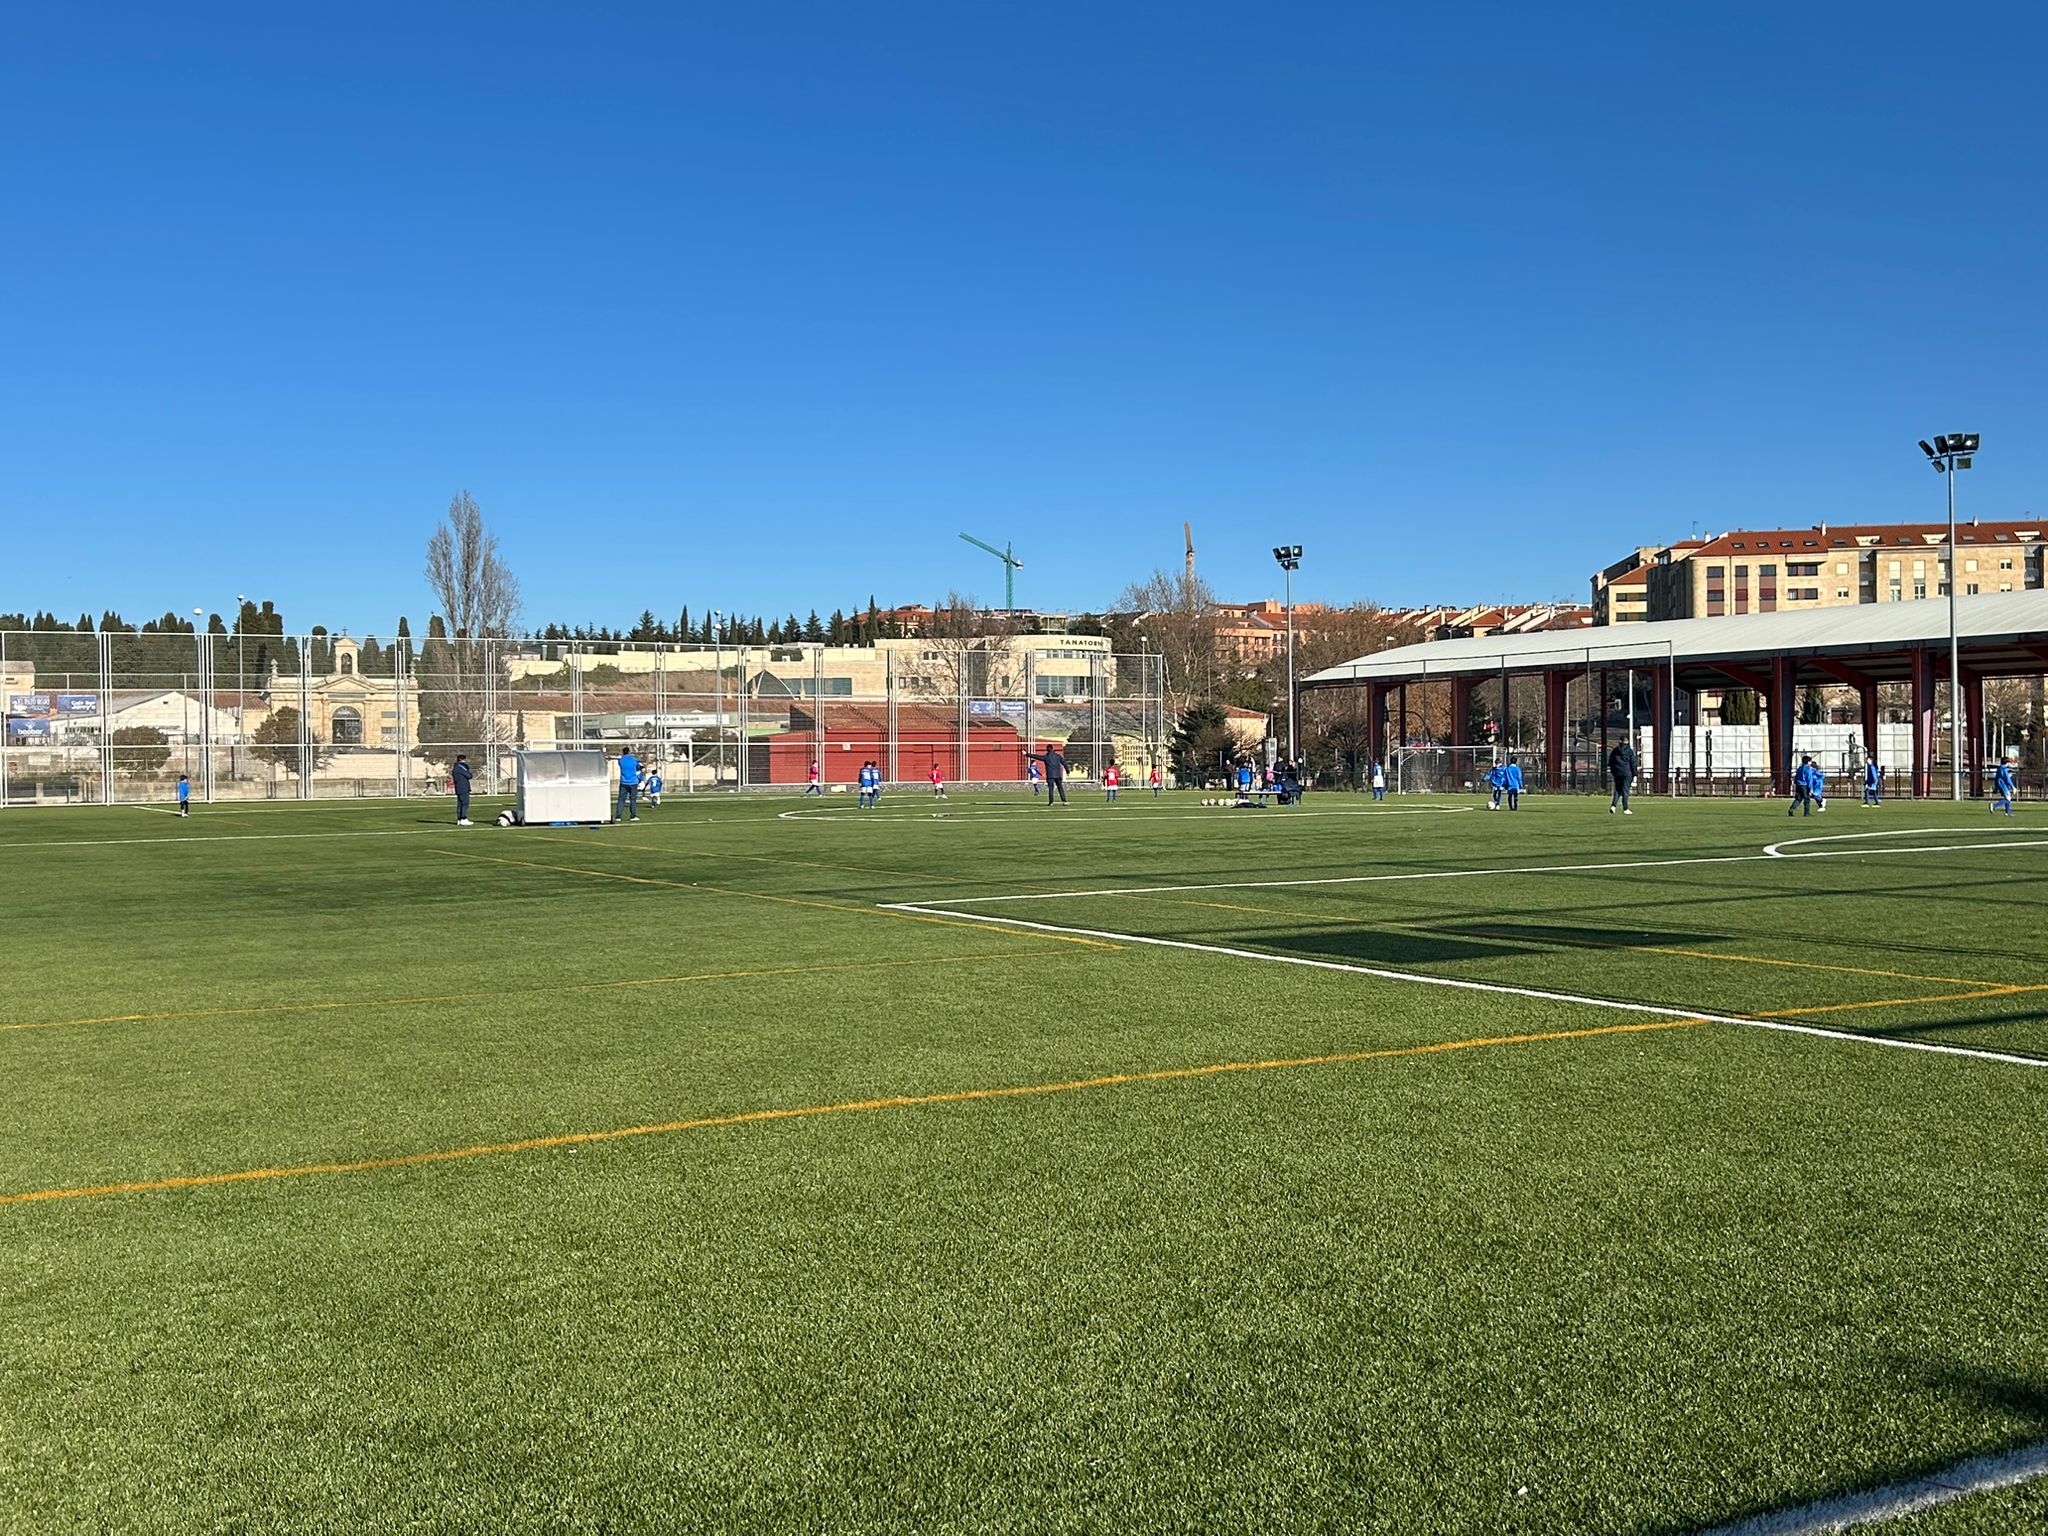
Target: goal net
{"x":564,"y":786}
{"x":1454,"y":770}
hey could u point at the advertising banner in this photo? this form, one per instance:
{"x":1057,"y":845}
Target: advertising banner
{"x":78,"y":703}
{"x":28,"y":704}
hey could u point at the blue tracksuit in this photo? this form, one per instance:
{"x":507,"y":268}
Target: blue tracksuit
{"x":1497,"y":781}
{"x":629,"y":788}
{"x":2001,"y":784}
{"x":461,"y":775}
{"x":1873,"y":784}
{"x":1511,"y":781}
{"x":1807,"y":784}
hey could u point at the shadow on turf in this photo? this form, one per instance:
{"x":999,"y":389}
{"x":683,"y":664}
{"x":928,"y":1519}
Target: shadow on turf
{"x":1443,"y":943}
{"x":2007,"y":1396}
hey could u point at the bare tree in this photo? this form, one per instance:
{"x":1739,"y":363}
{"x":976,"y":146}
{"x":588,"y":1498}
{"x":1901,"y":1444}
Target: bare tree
{"x":963,"y":653}
{"x":474,"y":588}
{"x":1177,"y":615}
{"x":479,"y":600}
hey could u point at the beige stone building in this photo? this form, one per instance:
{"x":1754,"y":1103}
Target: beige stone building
{"x":1788,"y":569}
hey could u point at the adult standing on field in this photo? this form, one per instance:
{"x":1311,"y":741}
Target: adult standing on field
{"x":461,"y":777}
{"x":1621,"y":768}
{"x":629,"y":787}
{"x":1055,"y":773}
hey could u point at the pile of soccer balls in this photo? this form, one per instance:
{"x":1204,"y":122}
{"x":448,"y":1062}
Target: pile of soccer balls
{"x":508,"y":818}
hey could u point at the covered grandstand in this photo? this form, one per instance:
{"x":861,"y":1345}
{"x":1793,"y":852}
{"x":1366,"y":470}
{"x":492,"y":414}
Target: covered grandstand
{"x":2002,"y":634}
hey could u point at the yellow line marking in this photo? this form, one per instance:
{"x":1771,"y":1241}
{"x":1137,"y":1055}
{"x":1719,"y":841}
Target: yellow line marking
{"x":854,"y":1106}
{"x":1510,"y":935}
{"x":472,"y":997}
{"x":787,"y":901}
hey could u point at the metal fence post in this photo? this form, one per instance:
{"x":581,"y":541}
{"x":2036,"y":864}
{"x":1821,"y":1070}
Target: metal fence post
{"x":742,"y":769}
{"x":889,"y":683}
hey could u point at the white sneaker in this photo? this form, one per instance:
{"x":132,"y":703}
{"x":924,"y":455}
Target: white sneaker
{"x":1610,"y":810}
{"x":1626,"y":812}
{"x":464,"y":822}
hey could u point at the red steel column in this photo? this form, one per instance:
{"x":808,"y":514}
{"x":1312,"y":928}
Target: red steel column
{"x":1923,"y":722}
{"x":1376,"y":722}
{"x":1461,"y":711}
{"x":1866,"y":697}
{"x":1661,"y":729}
{"x":1553,"y":730}
{"x":1973,"y":724}
{"x":1783,"y":712}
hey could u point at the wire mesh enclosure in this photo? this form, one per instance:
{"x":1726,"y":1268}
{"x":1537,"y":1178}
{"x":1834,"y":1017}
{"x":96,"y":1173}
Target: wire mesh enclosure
{"x":119,"y":718}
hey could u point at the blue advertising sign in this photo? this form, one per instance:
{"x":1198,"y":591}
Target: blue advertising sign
{"x":28,"y":732}
{"x":78,"y":703}
{"x":28,"y":703}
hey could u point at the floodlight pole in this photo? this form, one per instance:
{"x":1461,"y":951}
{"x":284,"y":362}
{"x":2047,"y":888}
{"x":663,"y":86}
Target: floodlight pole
{"x":717,"y":699}
{"x":1950,"y":453}
{"x":1289,"y":556}
{"x":1955,"y":654}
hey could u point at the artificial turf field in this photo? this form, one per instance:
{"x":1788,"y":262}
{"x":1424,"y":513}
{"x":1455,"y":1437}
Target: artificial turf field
{"x":359,"y":1173}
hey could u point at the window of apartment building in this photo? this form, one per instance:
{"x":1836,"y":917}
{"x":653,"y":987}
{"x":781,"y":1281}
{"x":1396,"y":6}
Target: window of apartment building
{"x":1766,"y":588}
{"x":1802,"y":568}
{"x":2005,"y":586}
{"x":1841,"y":567}
{"x":1919,"y":589}
{"x":1969,"y":565}
{"x":2005,"y":565}
{"x":1897,"y":592}
{"x":1969,"y":589}
{"x":1841,"y":593}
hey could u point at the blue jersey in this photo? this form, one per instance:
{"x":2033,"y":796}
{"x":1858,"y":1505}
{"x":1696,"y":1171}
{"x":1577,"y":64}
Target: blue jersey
{"x":629,"y":770}
{"x":1871,"y":774}
{"x":1512,"y":776}
{"x":184,"y":791}
{"x":2003,"y":778}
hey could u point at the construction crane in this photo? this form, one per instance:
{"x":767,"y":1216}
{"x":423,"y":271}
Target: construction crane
{"x":1011,"y":565}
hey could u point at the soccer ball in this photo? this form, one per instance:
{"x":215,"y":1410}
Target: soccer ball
{"x":508,"y":819}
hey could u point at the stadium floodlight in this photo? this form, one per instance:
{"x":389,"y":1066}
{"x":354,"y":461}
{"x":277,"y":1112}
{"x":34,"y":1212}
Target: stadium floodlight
{"x":1289,"y":556}
{"x":1950,"y":453}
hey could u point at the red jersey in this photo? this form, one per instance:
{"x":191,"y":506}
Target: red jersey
{"x":1109,"y":777}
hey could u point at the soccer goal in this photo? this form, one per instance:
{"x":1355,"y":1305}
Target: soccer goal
{"x":556,"y":787}
{"x":1447,"y":770}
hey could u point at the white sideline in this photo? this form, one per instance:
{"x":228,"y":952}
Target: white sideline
{"x":1518,"y":869}
{"x":171,"y":840}
{"x":971,"y":813}
{"x":1894,"y":1501}
{"x":1459,"y":983}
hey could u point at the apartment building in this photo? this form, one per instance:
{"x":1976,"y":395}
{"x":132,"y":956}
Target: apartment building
{"x":1826,"y":566}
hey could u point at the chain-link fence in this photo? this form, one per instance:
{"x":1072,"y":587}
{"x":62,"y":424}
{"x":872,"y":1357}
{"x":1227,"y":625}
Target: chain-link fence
{"x":119,"y":718}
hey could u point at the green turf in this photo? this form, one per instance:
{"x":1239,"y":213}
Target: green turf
{"x":1628,"y":1282}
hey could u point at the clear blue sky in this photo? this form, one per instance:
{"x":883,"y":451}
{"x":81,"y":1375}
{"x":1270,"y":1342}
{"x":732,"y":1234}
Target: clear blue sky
{"x":758,"y":306}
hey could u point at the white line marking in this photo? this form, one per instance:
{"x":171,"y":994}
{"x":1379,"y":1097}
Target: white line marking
{"x":1459,"y":983}
{"x":1980,"y":1474}
{"x":169,"y":840}
{"x":1471,"y":874}
{"x":864,"y":817}
{"x":1852,"y":837}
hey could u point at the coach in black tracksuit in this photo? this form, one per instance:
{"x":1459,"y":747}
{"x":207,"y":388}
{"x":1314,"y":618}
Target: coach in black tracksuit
{"x":1055,"y":773}
{"x":1621,"y":768}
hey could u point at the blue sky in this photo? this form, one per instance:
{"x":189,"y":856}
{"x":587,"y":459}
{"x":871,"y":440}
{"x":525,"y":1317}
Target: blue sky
{"x":759,"y":306}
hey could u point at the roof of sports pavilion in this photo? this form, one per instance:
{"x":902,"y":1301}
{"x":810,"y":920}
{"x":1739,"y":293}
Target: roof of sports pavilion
{"x":1999,"y":634}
